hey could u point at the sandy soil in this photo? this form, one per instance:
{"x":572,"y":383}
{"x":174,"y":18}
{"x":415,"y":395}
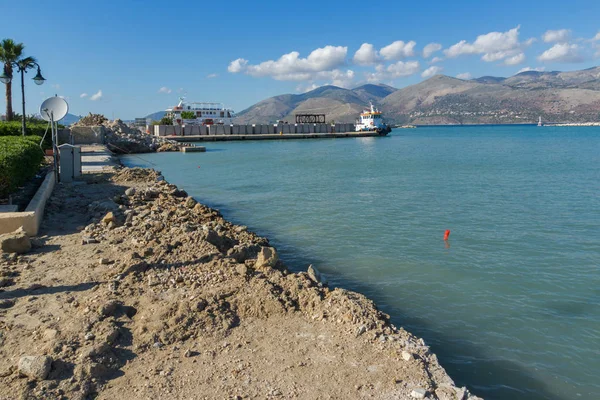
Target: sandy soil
{"x":150,"y":295}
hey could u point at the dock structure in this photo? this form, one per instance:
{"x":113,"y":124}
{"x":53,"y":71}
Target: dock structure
{"x":270,"y":136}
{"x":215,"y":133}
{"x":193,"y":149}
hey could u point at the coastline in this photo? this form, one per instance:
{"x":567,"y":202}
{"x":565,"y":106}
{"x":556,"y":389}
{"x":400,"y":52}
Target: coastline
{"x":164,"y":289}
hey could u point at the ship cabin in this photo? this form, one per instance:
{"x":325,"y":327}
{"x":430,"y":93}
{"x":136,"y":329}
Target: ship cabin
{"x":205,"y":113}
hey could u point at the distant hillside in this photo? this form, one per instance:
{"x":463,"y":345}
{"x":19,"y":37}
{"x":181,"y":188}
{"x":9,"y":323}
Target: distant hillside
{"x":157,"y":116}
{"x":67,"y":120}
{"x":70,"y":119}
{"x":341,"y":105}
{"x":555,"y":96}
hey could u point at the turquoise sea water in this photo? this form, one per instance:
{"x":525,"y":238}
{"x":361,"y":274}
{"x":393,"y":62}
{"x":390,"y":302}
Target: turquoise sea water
{"x":511,"y":305}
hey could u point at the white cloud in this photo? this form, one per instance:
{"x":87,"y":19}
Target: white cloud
{"x":366,"y":55}
{"x":597,"y":37}
{"x":529,"y":42}
{"x":515,"y":60}
{"x":398,"y":50}
{"x":303,"y":88}
{"x":338,"y":78}
{"x":430,"y":49}
{"x":400,"y":68}
{"x":56,"y":86}
{"x":290,"y":67}
{"x":82,"y":95}
{"x":96,"y":96}
{"x":539,"y":69}
{"x":560,"y":36}
{"x":237,"y":65}
{"x":562,"y":52}
{"x":436,"y":60}
{"x":464,"y":75}
{"x":494,"y":46}
{"x":165,"y":90}
{"x":396,"y":70}
{"x":431,"y":71}
{"x":212,"y":76}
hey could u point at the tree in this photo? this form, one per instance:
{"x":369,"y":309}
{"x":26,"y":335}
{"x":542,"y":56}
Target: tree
{"x":188,"y":115}
{"x":166,"y":121}
{"x":10,"y":52}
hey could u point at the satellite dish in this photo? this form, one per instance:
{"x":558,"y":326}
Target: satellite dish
{"x":55,"y":108}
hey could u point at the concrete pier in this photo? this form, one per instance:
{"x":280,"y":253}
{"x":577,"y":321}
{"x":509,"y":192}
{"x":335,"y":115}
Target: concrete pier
{"x":193,"y":149}
{"x":259,"y":136}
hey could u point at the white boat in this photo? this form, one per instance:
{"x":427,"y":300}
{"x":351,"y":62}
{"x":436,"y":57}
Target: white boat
{"x":371,"y":120}
{"x":540,"y":122}
{"x":204,"y":113}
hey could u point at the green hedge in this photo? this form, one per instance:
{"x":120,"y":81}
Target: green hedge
{"x":20,"y":159}
{"x":13,"y":128}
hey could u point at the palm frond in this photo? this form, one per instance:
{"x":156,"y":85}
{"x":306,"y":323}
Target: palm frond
{"x":26,"y":63}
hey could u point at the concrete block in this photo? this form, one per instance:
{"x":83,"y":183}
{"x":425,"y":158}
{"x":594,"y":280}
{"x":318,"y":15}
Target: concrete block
{"x":311,"y":128}
{"x":31,"y":218}
{"x":227,"y":129}
{"x":87,"y":134}
{"x":252,"y":129}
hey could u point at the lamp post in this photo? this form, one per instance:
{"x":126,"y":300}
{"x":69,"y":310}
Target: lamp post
{"x":22,"y":66}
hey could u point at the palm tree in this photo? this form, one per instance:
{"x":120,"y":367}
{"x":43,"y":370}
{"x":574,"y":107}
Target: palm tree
{"x":10,"y":52}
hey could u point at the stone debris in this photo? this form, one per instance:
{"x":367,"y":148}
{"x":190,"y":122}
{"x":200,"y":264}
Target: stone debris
{"x":173,"y":276}
{"x":418,"y":393}
{"x":315,"y":275}
{"x":267,"y":258}
{"x":16,"y":242}
{"x":123,"y":139}
{"x":36,"y":367}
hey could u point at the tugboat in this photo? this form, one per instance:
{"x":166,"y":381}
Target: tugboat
{"x":372,"y":121}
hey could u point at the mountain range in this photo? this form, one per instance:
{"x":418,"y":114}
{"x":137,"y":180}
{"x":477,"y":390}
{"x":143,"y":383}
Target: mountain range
{"x":555,"y":96}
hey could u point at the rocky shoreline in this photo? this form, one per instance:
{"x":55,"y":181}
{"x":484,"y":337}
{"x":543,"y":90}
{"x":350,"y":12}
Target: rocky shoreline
{"x":136,"y":290}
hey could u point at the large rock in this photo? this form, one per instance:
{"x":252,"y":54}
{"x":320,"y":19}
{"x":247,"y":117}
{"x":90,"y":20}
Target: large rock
{"x":267,"y":257}
{"x":315,"y":275}
{"x":15,"y":242}
{"x":36,"y":367}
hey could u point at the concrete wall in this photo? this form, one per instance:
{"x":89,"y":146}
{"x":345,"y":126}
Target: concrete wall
{"x":64,"y":136}
{"x":87,"y":134}
{"x":31,"y":218}
{"x":264,"y":129}
{"x":167,"y":130}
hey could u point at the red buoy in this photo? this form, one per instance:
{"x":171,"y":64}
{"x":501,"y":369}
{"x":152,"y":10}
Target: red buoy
{"x":447,"y":234}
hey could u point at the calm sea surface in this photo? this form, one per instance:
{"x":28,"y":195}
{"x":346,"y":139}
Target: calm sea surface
{"x":511,"y":305}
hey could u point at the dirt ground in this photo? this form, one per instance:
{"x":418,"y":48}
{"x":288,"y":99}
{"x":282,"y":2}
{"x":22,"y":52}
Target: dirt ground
{"x":146,"y":294}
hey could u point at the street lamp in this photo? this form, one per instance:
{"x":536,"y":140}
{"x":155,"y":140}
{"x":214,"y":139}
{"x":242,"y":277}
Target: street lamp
{"x":22,"y":66}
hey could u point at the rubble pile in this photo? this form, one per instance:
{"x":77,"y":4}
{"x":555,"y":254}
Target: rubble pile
{"x":122,"y":139}
{"x":91,"y":120}
{"x":175,"y":281}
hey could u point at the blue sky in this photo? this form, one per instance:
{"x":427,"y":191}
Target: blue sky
{"x":130,"y":58}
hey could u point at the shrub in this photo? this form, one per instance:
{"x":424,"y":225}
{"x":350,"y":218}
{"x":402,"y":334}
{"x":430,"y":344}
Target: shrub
{"x":188,"y":115}
{"x":20,"y":160}
{"x":166,"y":121}
{"x":13,"y":128}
